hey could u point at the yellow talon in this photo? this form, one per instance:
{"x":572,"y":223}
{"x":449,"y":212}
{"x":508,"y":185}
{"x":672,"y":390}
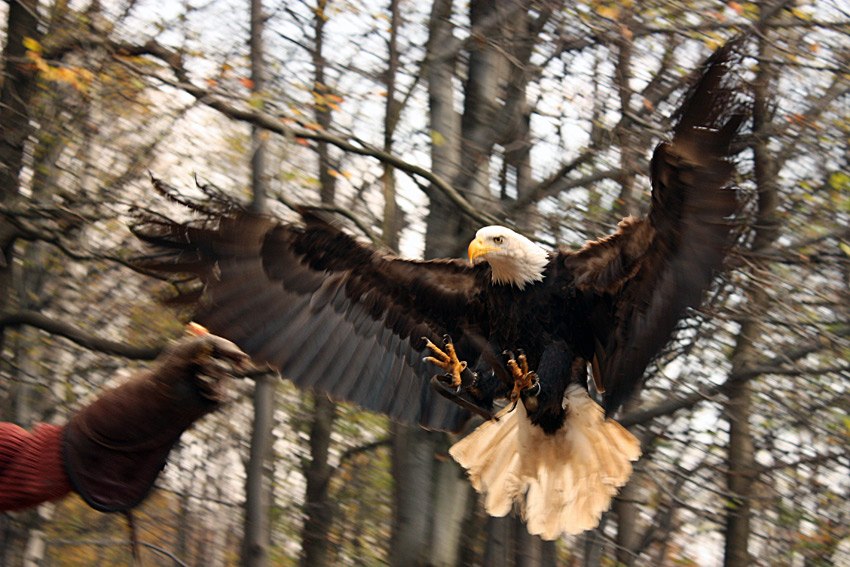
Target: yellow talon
{"x":447,"y":360}
{"x":523,"y":378}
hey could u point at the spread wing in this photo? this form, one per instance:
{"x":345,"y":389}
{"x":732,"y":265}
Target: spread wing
{"x":641,"y":280}
{"x":330,"y":312}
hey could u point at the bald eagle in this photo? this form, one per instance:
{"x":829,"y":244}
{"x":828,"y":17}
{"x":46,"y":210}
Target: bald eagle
{"x":336,"y":315}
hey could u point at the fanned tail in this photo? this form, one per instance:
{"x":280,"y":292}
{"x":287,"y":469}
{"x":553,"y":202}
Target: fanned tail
{"x":564,"y":481}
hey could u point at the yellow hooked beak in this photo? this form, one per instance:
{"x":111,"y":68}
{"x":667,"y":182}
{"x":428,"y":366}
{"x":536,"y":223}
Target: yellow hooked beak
{"x":478,"y":248}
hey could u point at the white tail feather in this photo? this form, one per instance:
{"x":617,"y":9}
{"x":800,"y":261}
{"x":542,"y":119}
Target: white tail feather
{"x":562,"y":481}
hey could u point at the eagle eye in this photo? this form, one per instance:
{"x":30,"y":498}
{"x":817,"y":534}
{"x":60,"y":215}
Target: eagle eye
{"x":498,"y":239}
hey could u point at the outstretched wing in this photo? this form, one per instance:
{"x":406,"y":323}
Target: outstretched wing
{"x":331,"y":313}
{"x":644,"y":277}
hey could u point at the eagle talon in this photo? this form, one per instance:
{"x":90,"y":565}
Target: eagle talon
{"x":447,"y":360}
{"x":526,"y":382}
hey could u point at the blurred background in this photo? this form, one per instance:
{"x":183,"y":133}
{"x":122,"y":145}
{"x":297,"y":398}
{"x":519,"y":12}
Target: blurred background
{"x":419,"y":122}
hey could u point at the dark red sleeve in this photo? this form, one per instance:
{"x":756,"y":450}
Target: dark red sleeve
{"x":31,"y":467}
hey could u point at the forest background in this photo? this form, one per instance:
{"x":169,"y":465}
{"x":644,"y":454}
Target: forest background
{"x":417,"y":123}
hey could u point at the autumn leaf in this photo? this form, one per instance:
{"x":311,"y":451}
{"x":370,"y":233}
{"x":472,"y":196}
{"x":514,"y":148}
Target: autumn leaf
{"x":256,"y":101}
{"x":247,"y":83}
{"x":437,"y":139}
{"x":608,"y":12}
{"x":32,"y":45}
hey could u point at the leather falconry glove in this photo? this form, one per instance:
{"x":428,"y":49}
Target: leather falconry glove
{"x":115,"y":448}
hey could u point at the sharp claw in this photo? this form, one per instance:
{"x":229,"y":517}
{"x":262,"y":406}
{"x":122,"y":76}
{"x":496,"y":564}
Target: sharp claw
{"x":447,"y":360}
{"x":526,"y":383}
{"x":523,"y":363}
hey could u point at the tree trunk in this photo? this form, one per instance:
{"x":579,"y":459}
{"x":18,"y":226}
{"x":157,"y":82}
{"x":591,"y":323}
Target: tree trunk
{"x":392,"y":221}
{"x":318,"y":507}
{"x":18,"y":89}
{"x":440,"y":234}
{"x":499,"y":547}
{"x":626,"y":508}
{"x":258,"y":494}
{"x":451,"y":497}
{"x":741,"y":463}
{"x":629,"y":145}
{"x":413,"y":473}
{"x":429,"y":501}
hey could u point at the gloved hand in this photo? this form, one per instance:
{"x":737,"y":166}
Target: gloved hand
{"x":115,"y":447}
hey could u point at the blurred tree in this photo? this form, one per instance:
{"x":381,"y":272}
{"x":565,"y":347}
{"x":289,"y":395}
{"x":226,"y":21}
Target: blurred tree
{"x":258,"y":481}
{"x":541,"y":115}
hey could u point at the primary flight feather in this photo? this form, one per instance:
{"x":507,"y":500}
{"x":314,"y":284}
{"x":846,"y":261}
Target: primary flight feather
{"x":339,"y":316}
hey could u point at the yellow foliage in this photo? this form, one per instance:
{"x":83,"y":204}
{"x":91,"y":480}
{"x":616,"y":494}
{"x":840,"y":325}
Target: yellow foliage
{"x":609,"y":12}
{"x":77,"y":77}
{"x":32,"y":45}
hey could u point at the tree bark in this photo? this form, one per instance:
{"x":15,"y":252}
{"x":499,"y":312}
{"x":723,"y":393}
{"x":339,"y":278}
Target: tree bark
{"x":318,"y":507}
{"x":451,"y":496}
{"x":741,"y":464}
{"x":392,"y":221}
{"x":322,"y":111}
{"x":430,"y":495}
{"x":258,"y":493}
{"x":18,"y":90}
{"x":318,"y":472}
{"x":440,"y":234}
{"x":498,"y":550}
{"x":629,"y":145}
{"x":413,"y":473}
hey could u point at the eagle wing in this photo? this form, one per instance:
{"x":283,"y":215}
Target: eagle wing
{"x":332,"y":314}
{"x":640,"y":281}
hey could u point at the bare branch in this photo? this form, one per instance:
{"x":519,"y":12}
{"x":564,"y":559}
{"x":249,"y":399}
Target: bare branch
{"x":74,"y":334}
{"x":276,"y":124}
{"x":776,"y":364}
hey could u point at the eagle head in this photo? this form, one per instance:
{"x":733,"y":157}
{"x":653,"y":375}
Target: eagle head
{"x":513,"y":258}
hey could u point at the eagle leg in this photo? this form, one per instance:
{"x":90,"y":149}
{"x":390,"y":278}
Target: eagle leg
{"x":447,"y":360}
{"x":526,"y":383}
{"x":458,"y":384}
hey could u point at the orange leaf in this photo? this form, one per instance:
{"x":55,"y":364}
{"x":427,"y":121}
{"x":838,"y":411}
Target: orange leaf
{"x":737,"y":8}
{"x":247,"y":83}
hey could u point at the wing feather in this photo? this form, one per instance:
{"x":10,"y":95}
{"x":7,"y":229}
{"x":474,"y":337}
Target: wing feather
{"x":331,"y":313}
{"x":640,"y":281}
